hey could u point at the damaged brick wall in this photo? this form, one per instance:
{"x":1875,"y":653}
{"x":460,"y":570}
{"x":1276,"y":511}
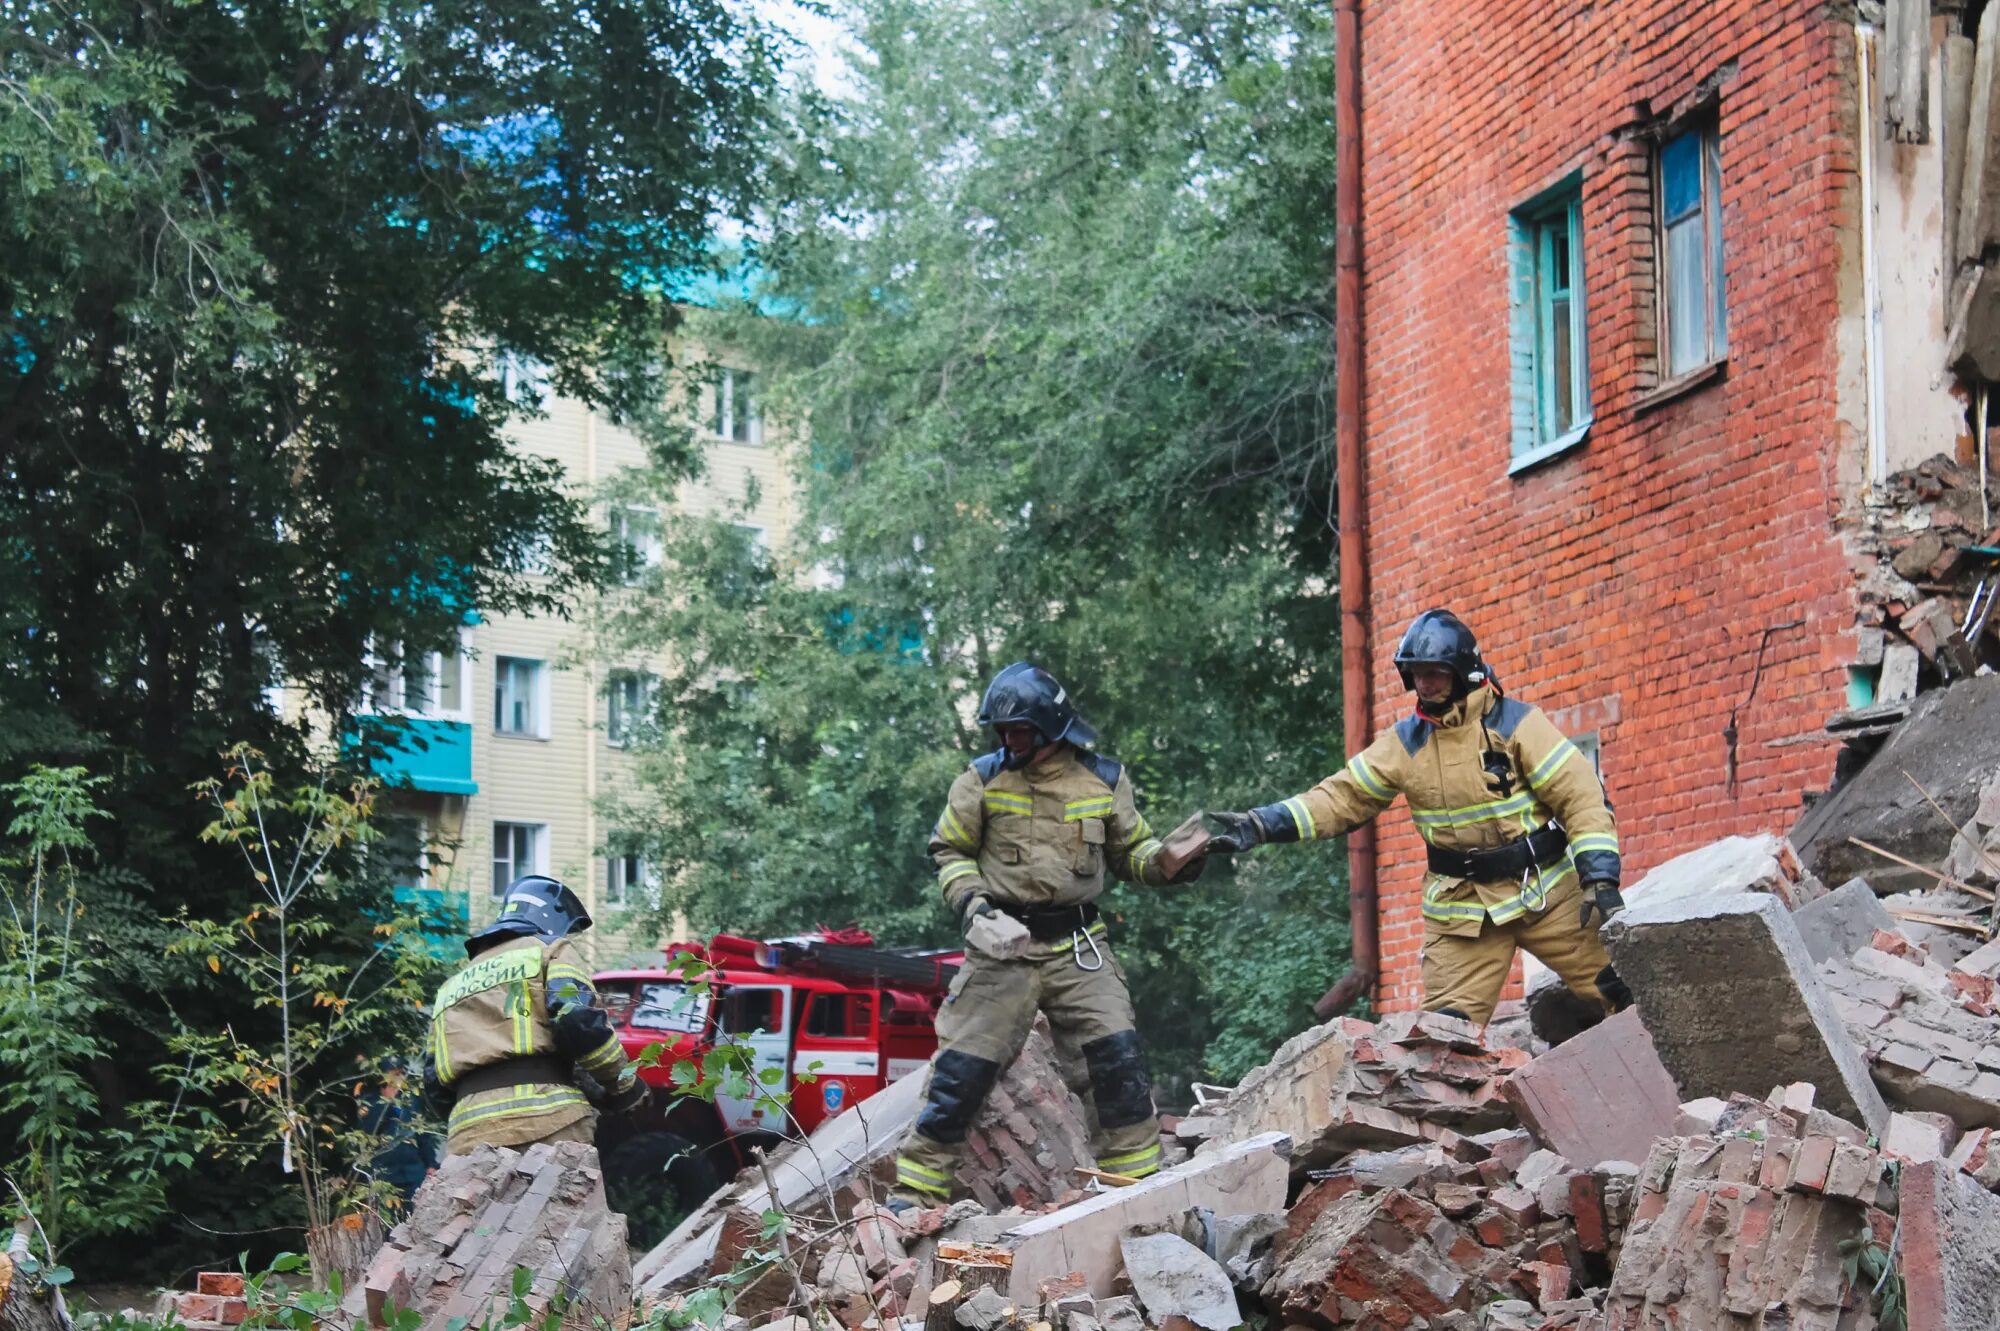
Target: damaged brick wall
{"x":1631,"y":579}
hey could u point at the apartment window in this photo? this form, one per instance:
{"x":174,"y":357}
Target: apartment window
{"x":1694,"y":326}
{"x":1551,"y":367}
{"x":428,"y":684}
{"x":630,"y":704}
{"x":736,"y":415}
{"x":625,"y":879}
{"x":635,"y":531}
{"x":524,"y":380}
{"x":519,"y":849}
{"x":520,"y":705}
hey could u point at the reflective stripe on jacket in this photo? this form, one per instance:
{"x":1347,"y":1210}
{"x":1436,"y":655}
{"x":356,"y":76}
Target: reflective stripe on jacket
{"x":1043,"y":835}
{"x":507,"y":1003}
{"x":1457,"y":803}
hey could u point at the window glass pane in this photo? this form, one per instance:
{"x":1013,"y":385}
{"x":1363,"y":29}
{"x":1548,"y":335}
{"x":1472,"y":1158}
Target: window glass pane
{"x":515,"y":695}
{"x":718,"y":416}
{"x":450,"y":696}
{"x":1680,"y":176}
{"x":671,"y":1006}
{"x":743,"y":407}
{"x":745,"y":1011}
{"x":1562,"y":386}
{"x":1687,"y":296}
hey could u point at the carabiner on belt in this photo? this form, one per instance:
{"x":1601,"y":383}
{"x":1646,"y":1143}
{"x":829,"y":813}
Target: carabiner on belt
{"x":1540,"y":897}
{"x":1077,"y":939}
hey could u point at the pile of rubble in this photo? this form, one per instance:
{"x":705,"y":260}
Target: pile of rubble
{"x":483,"y":1221}
{"x":1925,"y":605}
{"x":1797,"y":1126}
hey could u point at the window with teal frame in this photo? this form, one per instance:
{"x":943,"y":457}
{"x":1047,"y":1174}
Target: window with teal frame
{"x":1550,"y":361}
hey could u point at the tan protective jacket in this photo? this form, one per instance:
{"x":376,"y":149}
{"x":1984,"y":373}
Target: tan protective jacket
{"x":1042,"y":835}
{"x":1441,"y":769}
{"x":504,"y":1004}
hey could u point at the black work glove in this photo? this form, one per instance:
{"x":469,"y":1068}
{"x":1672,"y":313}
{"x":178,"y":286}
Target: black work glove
{"x":1616,"y":992}
{"x":1240,"y":832}
{"x":1601,"y":897}
{"x":627,"y":1096}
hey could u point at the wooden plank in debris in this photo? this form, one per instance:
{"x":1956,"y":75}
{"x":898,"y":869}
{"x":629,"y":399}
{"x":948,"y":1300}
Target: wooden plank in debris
{"x":1875,"y":714}
{"x":1958,"y":57}
{"x":1906,"y":59}
{"x":1979,"y":191}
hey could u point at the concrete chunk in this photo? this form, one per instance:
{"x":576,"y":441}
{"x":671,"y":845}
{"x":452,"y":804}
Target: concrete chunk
{"x":1241,"y":1179}
{"x":1843,"y":921}
{"x":1602,"y":1096}
{"x":1173,"y":1278}
{"x":1951,"y":1247}
{"x":1761,"y":863}
{"x":1708,"y":971}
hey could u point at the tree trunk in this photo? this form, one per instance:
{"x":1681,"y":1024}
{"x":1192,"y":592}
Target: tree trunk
{"x":347,"y":1246}
{"x":971,"y":1276}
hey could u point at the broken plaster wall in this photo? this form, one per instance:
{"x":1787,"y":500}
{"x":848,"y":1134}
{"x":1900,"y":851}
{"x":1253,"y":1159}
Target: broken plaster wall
{"x":1923,"y":411}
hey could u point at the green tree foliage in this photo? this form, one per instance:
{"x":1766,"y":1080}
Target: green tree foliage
{"x":257,"y":266}
{"x":1060,"y":282}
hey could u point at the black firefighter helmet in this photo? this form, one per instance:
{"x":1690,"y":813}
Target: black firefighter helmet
{"x":533,"y":905}
{"x":1025,"y":694}
{"x":1440,"y":638}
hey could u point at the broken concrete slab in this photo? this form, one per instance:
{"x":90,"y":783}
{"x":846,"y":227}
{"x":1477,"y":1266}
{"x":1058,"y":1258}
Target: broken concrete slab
{"x":1762,"y":863}
{"x":1239,"y":1179}
{"x":1604,"y":1095}
{"x":1173,"y":1278}
{"x":1707,"y":970}
{"x":1951,"y":1247}
{"x":486,"y":1214}
{"x":1949,"y":744}
{"x":1843,"y":921}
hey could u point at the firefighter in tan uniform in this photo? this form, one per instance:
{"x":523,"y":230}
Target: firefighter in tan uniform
{"x":516,"y":1034}
{"x":1022,"y":847}
{"x":1522,"y":847}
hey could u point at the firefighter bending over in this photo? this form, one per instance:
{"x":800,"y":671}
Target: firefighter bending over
{"x":517,"y":1035}
{"x":1021,"y":848}
{"x":1522,"y":847}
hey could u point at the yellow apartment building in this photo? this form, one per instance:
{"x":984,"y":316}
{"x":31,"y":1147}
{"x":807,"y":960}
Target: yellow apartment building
{"x":522,"y":731}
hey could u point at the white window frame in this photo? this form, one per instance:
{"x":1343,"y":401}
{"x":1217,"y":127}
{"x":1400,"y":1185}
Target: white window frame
{"x":615,"y":735}
{"x":540,"y":702}
{"x":646,"y":543}
{"x":619,"y":883}
{"x":722,"y":421}
{"x":397,"y":703}
{"x":538,"y":852}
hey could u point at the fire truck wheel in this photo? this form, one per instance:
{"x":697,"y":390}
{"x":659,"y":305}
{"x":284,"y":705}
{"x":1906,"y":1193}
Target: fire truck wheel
{"x":656,"y":1179}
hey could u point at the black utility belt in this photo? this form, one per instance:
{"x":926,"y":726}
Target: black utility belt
{"x":531,"y":1070}
{"x":1046,"y":923}
{"x":1539,"y":848}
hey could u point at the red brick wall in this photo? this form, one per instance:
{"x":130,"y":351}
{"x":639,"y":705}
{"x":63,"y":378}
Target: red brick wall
{"x":1636,"y":574}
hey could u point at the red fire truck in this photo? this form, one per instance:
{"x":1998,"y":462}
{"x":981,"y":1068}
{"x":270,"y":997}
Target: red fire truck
{"x":833,"y":1005}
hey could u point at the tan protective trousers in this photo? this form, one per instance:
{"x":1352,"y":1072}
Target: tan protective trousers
{"x":983,"y":1024}
{"x":502,"y":1132}
{"x":1468,"y":972}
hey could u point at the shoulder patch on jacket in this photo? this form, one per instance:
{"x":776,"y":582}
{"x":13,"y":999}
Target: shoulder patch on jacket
{"x":1106,"y":769}
{"x":988,"y":765}
{"x":1415,"y":732}
{"x":1506,"y":716}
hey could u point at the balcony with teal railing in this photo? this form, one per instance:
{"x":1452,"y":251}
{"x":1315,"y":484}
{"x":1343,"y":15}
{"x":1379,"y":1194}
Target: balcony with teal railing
{"x":417,"y":753}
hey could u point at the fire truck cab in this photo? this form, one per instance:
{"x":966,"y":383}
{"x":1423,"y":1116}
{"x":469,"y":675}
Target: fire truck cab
{"x":835,"y":1017}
